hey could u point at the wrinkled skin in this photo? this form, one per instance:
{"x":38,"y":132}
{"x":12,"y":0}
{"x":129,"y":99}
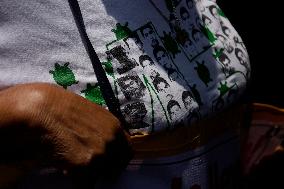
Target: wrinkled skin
{"x":46,"y":125}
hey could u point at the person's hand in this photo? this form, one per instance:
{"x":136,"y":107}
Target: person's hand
{"x":55,"y":127}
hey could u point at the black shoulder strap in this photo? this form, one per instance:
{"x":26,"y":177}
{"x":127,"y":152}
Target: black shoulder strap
{"x":107,"y":92}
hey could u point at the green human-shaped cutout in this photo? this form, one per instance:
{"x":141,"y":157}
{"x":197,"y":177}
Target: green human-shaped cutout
{"x":181,"y":36}
{"x":196,"y":95}
{"x":94,"y":94}
{"x":121,"y":31}
{"x":223,"y":88}
{"x":108,"y":68}
{"x":218,"y":53}
{"x":221,"y":13}
{"x":63,"y":75}
{"x":209,"y":34}
{"x":203,"y":73}
{"x":170,"y":44}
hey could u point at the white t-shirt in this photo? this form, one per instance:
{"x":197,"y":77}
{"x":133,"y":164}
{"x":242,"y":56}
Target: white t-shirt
{"x":169,"y":62}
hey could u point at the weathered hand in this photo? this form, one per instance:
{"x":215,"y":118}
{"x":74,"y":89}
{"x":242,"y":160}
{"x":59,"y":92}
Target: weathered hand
{"x":55,"y":127}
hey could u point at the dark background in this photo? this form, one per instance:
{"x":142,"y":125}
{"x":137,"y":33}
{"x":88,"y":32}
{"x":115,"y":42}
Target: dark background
{"x":259,"y":24}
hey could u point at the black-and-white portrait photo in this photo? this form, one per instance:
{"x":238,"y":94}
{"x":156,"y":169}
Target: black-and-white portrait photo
{"x":126,"y":63}
{"x":187,"y":99}
{"x":228,"y":46}
{"x":161,"y":55}
{"x":199,"y":39}
{"x":133,"y":42}
{"x":131,"y":86}
{"x":173,"y":109}
{"x":213,"y":9}
{"x":134,"y":114}
{"x":145,"y":60}
{"x":243,"y":59}
{"x":159,"y":83}
{"x":148,"y":34}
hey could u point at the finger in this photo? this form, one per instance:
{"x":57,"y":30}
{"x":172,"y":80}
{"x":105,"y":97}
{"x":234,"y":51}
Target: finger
{"x":19,"y":143}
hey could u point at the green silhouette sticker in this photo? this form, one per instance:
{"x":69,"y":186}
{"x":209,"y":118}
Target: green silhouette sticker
{"x":94,"y":94}
{"x":209,"y":34}
{"x":221,"y":13}
{"x":108,"y":68}
{"x":63,"y":75}
{"x":121,"y":31}
{"x":170,"y":44}
{"x":203,"y":73}
{"x":218,"y":53}
{"x":223,"y":88}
